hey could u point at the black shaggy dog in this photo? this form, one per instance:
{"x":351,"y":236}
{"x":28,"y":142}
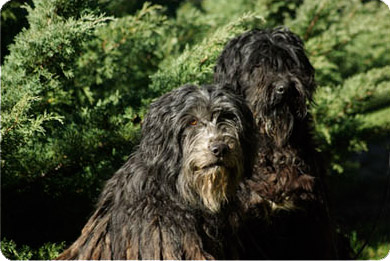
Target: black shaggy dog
{"x":169,"y":200}
{"x":270,"y":69}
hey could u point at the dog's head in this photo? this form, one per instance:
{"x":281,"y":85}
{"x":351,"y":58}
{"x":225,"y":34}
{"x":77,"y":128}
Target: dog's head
{"x":203,"y":140}
{"x":271,"y":70}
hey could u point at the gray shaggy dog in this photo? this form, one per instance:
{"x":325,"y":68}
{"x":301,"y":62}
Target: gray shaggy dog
{"x":174,"y":197}
{"x":284,"y":201}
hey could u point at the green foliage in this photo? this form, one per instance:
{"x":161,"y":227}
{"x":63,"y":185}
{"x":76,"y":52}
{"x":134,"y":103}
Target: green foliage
{"x":343,"y":37}
{"x":9,"y":250}
{"x":377,"y":251}
{"x":13,"y":19}
{"x":48,"y":251}
{"x":36,"y":93}
{"x":72,"y":87}
{"x":342,"y":114}
{"x":196,"y":64}
{"x":122,"y":56}
{"x":274,"y":12}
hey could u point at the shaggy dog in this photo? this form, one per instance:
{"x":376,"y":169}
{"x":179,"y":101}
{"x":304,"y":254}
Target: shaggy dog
{"x":169,"y":200}
{"x":270,"y":69}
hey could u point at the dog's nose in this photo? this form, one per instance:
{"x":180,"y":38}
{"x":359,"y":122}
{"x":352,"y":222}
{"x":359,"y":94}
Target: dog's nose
{"x":219,"y":149}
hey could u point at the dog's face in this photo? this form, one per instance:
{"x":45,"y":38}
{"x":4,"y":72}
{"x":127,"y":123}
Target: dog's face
{"x":213,"y":161}
{"x":271,"y":70}
{"x":202,"y":139}
{"x":278,"y":101}
{"x":217,"y":127}
{"x":206,"y":136}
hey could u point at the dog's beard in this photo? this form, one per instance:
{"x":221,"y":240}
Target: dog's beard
{"x":277,"y":119}
{"x":212,"y":186}
{"x":208,"y":184}
{"x":278,"y":125}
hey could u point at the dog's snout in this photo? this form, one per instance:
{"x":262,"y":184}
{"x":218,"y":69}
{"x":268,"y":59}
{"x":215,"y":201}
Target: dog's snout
{"x":219,"y":149}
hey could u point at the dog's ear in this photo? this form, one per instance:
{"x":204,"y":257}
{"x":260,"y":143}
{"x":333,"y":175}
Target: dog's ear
{"x":157,"y":143}
{"x":250,"y":138}
{"x":160,"y":143}
{"x":228,"y":67}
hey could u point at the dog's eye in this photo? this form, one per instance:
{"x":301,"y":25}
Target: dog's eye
{"x":193,"y":122}
{"x":280,"y":89}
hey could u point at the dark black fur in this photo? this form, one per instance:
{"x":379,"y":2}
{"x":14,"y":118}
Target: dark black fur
{"x":142,"y":213}
{"x":284,"y":201}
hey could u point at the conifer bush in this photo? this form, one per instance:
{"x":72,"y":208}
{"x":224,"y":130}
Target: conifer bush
{"x":77,"y":82}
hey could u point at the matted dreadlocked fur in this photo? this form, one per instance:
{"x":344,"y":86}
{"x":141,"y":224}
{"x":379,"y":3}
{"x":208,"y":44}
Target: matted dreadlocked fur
{"x":172,"y":199}
{"x":270,"y":69}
